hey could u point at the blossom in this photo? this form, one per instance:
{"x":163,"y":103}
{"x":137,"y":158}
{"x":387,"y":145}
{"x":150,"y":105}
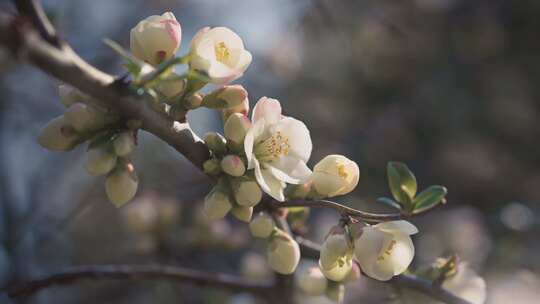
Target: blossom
{"x":277,"y":148}
{"x":386,"y":249}
{"x":121,"y":184}
{"x":156,"y":38}
{"x":336,"y":255}
{"x":335,"y":175}
{"x":219,"y":53}
{"x":466,"y":284}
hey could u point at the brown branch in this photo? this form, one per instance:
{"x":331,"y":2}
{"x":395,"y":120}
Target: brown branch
{"x":33,"y":10}
{"x":139,"y":272}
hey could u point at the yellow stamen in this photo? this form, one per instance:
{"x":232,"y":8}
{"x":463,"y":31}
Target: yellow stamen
{"x":273,"y":147}
{"x":222,"y":52}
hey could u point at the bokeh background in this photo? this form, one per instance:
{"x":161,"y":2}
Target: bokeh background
{"x":447,"y":86}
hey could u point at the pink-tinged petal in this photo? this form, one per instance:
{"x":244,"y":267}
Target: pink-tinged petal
{"x":198,"y":36}
{"x":173,"y":29}
{"x":267,"y":108}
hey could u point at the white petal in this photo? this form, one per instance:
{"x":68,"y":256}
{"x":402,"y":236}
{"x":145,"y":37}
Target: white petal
{"x":298,"y":135}
{"x":402,"y":253}
{"x":267,"y":108}
{"x":290,"y":170}
{"x":466,"y":284}
{"x":220,"y":71}
{"x":327,"y":184}
{"x":230,"y":38}
{"x":271,"y":185}
{"x":367,"y":248}
{"x":256,"y":130}
{"x":244,"y":61}
{"x":197,"y":38}
{"x":398,"y":226}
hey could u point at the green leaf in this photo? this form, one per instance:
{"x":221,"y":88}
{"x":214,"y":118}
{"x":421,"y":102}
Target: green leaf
{"x":402,"y":182}
{"x":429,"y":198}
{"x":389,"y":202}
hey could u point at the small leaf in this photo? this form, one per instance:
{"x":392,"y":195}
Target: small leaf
{"x":389,"y":202}
{"x":402,"y":182}
{"x":429,"y":198}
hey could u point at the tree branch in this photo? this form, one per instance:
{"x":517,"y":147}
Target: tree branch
{"x":139,"y":272}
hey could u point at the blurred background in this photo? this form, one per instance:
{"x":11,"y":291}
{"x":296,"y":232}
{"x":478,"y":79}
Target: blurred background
{"x":447,"y":86}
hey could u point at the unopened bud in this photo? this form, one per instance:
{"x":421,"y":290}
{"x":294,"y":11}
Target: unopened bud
{"x":242,"y":213}
{"x":233,"y":165}
{"x":194,"y":101}
{"x":212,"y":167}
{"x":334,"y":247}
{"x":216,"y":143}
{"x":225,"y":97}
{"x":217,"y":204}
{"x":86,"y":118}
{"x":335,"y":292}
{"x":242,"y":108}
{"x":283,"y":253}
{"x":262,"y":225}
{"x":312,"y":282}
{"x":100,"y":161}
{"x":246,"y":191}
{"x":69,"y":95}
{"x":121,"y":184}
{"x":236,"y":127}
{"x":172,"y":86}
{"x":58,"y":135}
{"x":124,"y":143}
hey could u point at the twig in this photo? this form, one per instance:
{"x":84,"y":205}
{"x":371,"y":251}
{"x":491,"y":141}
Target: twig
{"x":138,"y":272}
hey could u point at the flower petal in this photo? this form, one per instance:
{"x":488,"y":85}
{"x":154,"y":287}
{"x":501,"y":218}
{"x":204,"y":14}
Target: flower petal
{"x":267,"y":108}
{"x":269,"y":184}
{"x":367,"y":249}
{"x":401,"y":226}
{"x":290,"y":170}
{"x":298,"y":136}
{"x":402,"y":253}
{"x":256,"y":130}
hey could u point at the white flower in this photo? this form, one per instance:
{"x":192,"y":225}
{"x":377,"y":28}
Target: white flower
{"x":156,"y":38}
{"x":466,"y":284}
{"x":336,"y":256}
{"x":219,"y":53}
{"x":335,"y":175}
{"x":277,"y":147}
{"x":386,"y":249}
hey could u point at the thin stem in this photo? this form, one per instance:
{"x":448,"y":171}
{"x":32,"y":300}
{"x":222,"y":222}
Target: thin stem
{"x":138,"y":272}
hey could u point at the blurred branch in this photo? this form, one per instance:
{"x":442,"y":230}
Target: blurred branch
{"x":138,"y":272}
{"x":311,"y":250}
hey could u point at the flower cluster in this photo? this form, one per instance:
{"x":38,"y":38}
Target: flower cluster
{"x":266,"y":152}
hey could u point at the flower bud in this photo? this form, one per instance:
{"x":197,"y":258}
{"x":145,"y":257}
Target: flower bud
{"x":236,"y":127}
{"x":156,"y":38}
{"x":171,"y":86}
{"x":69,"y":95}
{"x":121,"y":184}
{"x":233,"y":165}
{"x":194,"y":101}
{"x":334,"y":247}
{"x":283,"y":254}
{"x":246,"y":191}
{"x":124,"y":143}
{"x":312,"y":282}
{"x":336,"y":292}
{"x":86,"y":118}
{"x":242,"y":108}
{"x":242,"y":213}
{"x":262,"y":225}
{"x":216,"y":143}
{"x":225,"y":97}
{"x":300,"y":191}
{"x":217,"y":204}
{"x":218,"y":53}
{"x":57,"y":135}
{"x":212,"y":167}
{"x":100,"y":161}
{"x":335,"y":175}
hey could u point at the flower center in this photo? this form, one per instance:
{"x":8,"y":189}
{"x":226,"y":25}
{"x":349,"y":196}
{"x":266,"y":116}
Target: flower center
{"x":272,"y":147}
{"x":222,"y":52}
{"x":342,"y":171}
{"x":388,"y":251}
